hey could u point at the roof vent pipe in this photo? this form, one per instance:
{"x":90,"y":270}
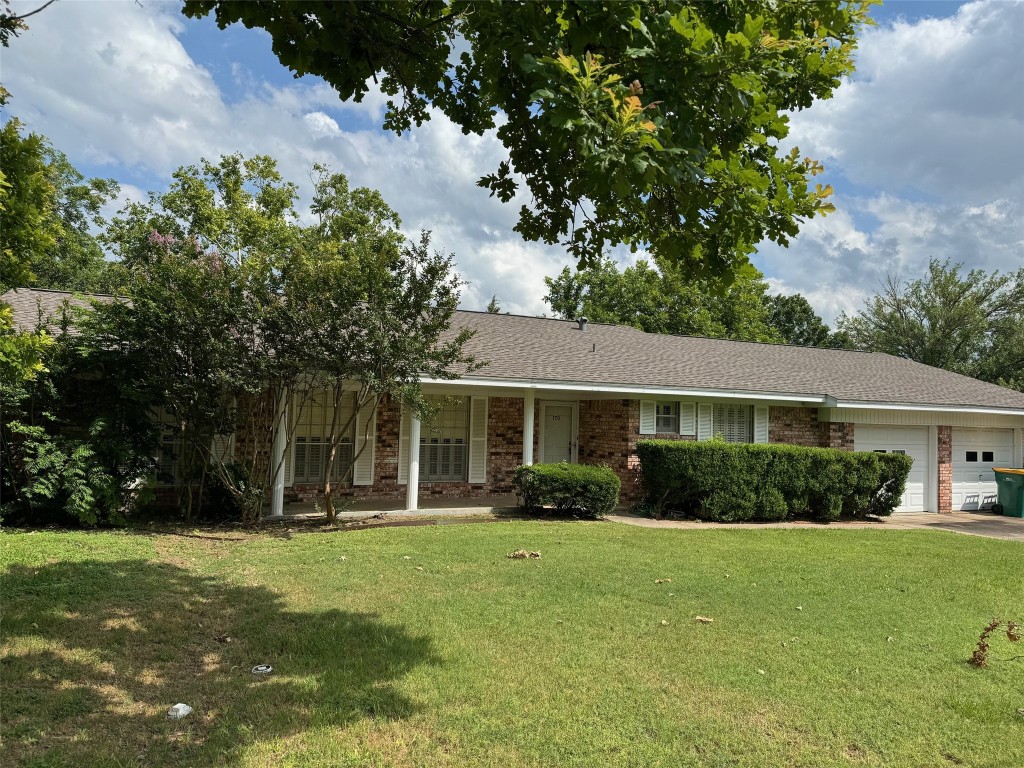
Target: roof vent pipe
{"x":583,"y":323}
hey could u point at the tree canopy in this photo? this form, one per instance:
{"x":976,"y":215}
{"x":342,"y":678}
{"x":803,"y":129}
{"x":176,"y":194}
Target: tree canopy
{"x":652,"y":124}
{"x":47,"y":212}
{"x":659,"y":299}
{"x":970,"y":323}
{"x":797,"y":323}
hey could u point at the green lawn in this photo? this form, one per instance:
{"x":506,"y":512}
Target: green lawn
{"x":428,"y":647}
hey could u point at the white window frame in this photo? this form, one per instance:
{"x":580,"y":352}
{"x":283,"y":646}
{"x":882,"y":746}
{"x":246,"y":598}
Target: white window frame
{"x":725,"y":416}
{"x":313,"y":431}
{"x":444,"y":442}
{"x":666,"y":417}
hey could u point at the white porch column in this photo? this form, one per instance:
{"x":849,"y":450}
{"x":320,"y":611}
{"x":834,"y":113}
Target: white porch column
{"x":528,"y":412}
{"x":412,"y":482}
{"x":277,"y":454}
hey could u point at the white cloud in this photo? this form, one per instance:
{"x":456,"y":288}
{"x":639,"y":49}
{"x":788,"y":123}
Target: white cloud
{"x":930,"y":132}
{"x":321,"y":124}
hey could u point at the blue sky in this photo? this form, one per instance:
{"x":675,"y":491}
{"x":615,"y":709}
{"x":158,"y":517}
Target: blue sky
{"x":922,"y":145}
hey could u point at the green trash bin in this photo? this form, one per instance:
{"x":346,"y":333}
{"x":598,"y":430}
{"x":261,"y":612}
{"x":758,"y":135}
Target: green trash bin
{"x":1010,"y":484}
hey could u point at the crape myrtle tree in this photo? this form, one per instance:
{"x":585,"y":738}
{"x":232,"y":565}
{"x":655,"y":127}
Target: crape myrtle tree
{"x":205,"y":323}
{"x":968,"y":322}
{"x":654,"y":124}
{"x":379,"y":309}
{"x":660,"y":299}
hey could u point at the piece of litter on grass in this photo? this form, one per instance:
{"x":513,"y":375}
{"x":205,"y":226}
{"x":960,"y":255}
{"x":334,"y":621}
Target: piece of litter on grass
{"x":799,"y":607}
{"x":522,"y":554}
{"x":704,"y":619}
{"x":406,"y":557}
{"x":262,"y":669}
{"x":343,"y":558}
{"x":671,"y":594}
{"x":419,"y":567}
{"x":664,"y":623}
{"x":178,"y":711}
{"x":760,"y":671}
{"x":222,"y":639}
{"x":890,"y":639}
{"x":663,"y":581}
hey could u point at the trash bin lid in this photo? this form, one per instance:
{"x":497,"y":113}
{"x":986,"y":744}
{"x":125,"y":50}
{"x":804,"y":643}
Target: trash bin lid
{"x":1009,"y":471}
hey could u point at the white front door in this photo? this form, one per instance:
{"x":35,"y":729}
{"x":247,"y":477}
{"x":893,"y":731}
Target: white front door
{"x":913,"y":441}
{"x":975,"y":453}
{"x":558,"y":432}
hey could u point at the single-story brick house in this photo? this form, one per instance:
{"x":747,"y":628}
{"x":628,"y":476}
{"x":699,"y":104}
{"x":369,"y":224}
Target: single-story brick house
{"x":558,"y":390}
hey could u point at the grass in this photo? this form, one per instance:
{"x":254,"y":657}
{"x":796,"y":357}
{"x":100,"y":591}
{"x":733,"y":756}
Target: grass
{"x":828,"y":648}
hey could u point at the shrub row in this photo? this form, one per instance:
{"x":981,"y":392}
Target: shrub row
{"x":579,"y":488}
{"x":733,"y":482}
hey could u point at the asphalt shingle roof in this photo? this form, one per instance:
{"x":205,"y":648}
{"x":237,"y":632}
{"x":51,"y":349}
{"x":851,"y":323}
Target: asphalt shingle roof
{"x":40,"y":307}
{"x":537,"y":349}
{"x":543,"y":349}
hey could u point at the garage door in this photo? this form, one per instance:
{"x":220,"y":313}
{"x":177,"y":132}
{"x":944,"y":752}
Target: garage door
{"x":913,"y":441}
{"x":975,"y":453}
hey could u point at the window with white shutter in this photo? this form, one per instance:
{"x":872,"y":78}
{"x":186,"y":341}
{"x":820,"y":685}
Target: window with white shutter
{"x":311,"y":444}
{"x":444,"y":442}
{"x":735,"y":423}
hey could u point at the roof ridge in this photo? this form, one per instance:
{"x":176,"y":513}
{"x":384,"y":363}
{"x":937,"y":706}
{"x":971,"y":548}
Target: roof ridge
{"x":626,"y":326}
{"x":63,"y":292}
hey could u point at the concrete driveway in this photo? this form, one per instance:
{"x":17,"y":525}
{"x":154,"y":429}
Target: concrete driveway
{"x":972,"y":523}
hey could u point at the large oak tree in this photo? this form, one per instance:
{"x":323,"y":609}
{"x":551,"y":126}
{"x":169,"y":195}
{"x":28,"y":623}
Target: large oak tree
{"x":654,"y":124}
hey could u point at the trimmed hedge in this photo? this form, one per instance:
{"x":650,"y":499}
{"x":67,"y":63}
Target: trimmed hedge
{"x":587,"y":490}
{"x":732,"y":482}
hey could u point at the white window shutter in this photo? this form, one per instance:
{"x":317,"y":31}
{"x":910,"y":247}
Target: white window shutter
{"x":760,"y":423}
{"x":478,"y":440}
{"x":705,"y":424}
{"x":648,"y":417}
{"x":362,"y":472}
{"x":222,"y":448}
{"x":687,"y":419}
{"x":289,"y":455}
{"x":403,"y":448}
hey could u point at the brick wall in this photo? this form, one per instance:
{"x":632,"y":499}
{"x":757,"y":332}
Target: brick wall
{"x":795,"y":426}
{"x":504,"y":454}
{"x":945,"y":463}
{"x":800,"y":426}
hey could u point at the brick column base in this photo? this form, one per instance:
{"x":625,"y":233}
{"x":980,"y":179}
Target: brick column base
{"x":945,"y":473}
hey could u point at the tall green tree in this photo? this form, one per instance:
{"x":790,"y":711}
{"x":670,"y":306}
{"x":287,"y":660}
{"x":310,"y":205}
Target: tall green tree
{"x":659,"y":299}
{"x":655,"y":124}
{"x":795,"y":320}
{"x":49,"y":212}
{"x":969,"y":322}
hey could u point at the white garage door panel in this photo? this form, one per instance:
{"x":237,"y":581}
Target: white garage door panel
{"x":975,"y":453}
{"x":912,"y":441}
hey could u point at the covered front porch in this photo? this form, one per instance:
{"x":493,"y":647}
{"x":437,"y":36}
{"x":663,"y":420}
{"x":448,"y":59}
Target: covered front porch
{"x":470,"y":450}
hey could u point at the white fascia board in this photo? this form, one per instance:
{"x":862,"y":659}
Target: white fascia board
{"x":638,"y":391}
{"x":859,"y":404}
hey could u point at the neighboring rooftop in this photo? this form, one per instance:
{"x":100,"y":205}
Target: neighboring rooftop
{"x":41,"y":307}
{"x":549,"y":350}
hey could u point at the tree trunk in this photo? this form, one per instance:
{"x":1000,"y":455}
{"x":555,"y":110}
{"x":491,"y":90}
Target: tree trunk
{"x":338,"y":395}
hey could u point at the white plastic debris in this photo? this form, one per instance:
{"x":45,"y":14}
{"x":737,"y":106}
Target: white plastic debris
{"x":262,"y":669}
{"x":178,"y":711}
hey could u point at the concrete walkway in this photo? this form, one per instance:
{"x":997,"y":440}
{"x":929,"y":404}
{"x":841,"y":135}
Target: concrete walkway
{"x":973,"y":523}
